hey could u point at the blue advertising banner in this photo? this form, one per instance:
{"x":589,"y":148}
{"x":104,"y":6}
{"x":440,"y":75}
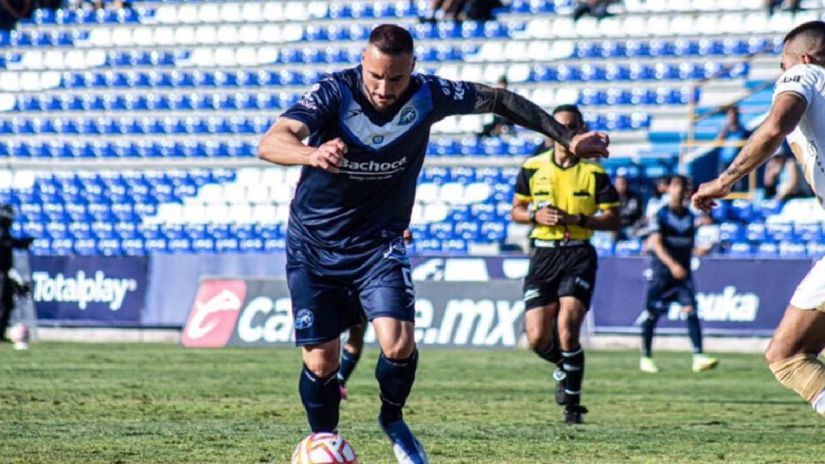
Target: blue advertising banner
{"x":743,"y":297}
{"x":89,"y":290}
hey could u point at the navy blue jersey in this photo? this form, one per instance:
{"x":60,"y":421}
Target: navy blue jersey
{"x":370,"y":201}
{"x":677,"y":231}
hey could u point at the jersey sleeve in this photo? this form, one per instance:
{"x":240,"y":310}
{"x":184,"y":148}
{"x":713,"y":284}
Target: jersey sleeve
{"x":451,"y":97}
{"x":606,"y":195}
{"x":800,"y":79}
{"x":656,"y":224}
{"x":523,"y":184}
{"x":316,"y":106}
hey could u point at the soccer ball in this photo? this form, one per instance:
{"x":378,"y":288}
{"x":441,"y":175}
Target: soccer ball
{"x":324,"y":448}
{"x":19,"y":334}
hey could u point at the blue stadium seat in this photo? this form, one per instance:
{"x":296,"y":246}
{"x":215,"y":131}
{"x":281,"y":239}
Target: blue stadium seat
{"x":740,"y":250}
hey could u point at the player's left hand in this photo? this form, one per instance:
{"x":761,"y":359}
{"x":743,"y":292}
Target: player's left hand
{"x":590,"y":145}
{"x":707,"y":193}
{"x":557,"y":217}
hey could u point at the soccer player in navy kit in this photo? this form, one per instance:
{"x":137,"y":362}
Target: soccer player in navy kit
{"x":671,"y":242}
{"x":368,"y":129}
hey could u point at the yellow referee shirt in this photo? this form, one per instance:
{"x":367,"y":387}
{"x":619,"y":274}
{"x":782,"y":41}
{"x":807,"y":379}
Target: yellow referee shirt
{"x":582,"y":188}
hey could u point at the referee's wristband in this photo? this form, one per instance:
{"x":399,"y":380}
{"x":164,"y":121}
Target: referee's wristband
{"x":532,"y":214}
{"x":581,"y":220}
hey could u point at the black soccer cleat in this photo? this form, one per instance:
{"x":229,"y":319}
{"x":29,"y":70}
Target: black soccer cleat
{"x":574,"y":414}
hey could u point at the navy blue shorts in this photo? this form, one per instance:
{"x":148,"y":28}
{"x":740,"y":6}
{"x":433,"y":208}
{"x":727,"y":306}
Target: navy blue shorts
{"x":323,"y":306}
{"x":664,"y":290}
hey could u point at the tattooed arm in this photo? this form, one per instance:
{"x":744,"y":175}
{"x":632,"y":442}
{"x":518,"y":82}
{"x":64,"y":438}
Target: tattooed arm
{"x":529,"y":115}
{"x":785,"y":114}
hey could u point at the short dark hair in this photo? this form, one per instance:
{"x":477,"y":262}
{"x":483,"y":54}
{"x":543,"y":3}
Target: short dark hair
{"x":678,"y":177}
{"x":392,"y":40}
{"x":569,"y":109}
{"x":814,"y":29}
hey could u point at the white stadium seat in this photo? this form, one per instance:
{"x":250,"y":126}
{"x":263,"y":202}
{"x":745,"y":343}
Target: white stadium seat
{"x":185,"y":36}
{"x":435,"y":212}
{"x":248,"y":176}
{"x":252,"y":12}
{"x":426,"y":192}
{"x":281,"y":193}
{"x":206,"y":35}
{"x":265,"y":214}
{"x":166,"y":14}
{"x":234,"y":193}
{"x":164,"y":36}
{"x":228,"y":34}
{"x":241,"y":213}
{"x":249,"y":34}
{"x":211,"y":193}
{"x":258,"y":194}
{"x":205,"y":13}
{"x":296,"y":11}
{"x":272,"y":176}
{"x":452,"y":193}
{"x":195,"y":213}
{"x":247,"y":56}
{"x":273,"y":12}
{"x":231,"y":12}
{"x":282,"y":214}
{"x":218,"y":213}
{"x":122,"y":37}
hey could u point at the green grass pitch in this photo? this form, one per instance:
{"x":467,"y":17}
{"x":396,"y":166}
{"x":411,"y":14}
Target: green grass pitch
{"x":147,"y":403}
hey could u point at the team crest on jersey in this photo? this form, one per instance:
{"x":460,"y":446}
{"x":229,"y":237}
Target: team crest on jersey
{"x":304,"y":319}
{"x":407,"y":116}
{"x":377,"y":139}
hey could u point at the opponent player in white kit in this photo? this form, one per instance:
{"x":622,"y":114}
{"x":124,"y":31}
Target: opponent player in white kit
{"x":798,"y":112}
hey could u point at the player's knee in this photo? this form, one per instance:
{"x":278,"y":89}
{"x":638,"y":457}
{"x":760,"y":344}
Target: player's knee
{"x":400,"y":349}
{"x":801,"y":373}
{"x":321,"y":367}
{"x":537,"y":339}
{"x":777,"y":352}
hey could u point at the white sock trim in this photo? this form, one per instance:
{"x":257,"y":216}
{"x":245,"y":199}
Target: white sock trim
{"x":819,"y":403}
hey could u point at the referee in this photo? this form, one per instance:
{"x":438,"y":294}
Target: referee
{"x":560,"y":194}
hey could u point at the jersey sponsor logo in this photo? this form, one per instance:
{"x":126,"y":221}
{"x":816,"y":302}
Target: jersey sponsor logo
{"x":373,"y":168}
{"x":82,"y":289}
{"x":214,"y":313}
{"x":789,"y":79}
{"x":408,"y":115}
{"x":304,"y":319}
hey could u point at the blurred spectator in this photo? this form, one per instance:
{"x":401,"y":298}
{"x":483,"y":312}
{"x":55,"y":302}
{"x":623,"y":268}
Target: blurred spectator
{"x":731,"y":138}
{"x":481,"y":10}
{"x":790,"y":5}
{"x":630,"y":208}
{"x":445,"y":9}
{"x":783,"y":179}
{"x":10,"y":281}
{"x":12,"y":11}
{"x":499,"y":125}
{"x":595,"y":8}
{"x":659,"y":198}
{"x":97,"y":4}
{"x":459,"y":10}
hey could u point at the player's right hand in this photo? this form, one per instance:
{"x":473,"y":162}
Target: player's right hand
{"x":329,"y":156}
{"x":705,"y":197}
{"x":678,"y":272}
{"x":590,"y":145}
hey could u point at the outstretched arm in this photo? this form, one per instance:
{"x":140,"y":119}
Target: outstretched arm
{"x":785,"y":114}
{"x":527,"y":114}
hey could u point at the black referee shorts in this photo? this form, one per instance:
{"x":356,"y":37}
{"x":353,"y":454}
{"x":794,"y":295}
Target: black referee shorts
{"x":558,"y":272}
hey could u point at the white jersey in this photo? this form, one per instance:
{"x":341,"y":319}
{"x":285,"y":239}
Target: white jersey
{"x":807,"y":140}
